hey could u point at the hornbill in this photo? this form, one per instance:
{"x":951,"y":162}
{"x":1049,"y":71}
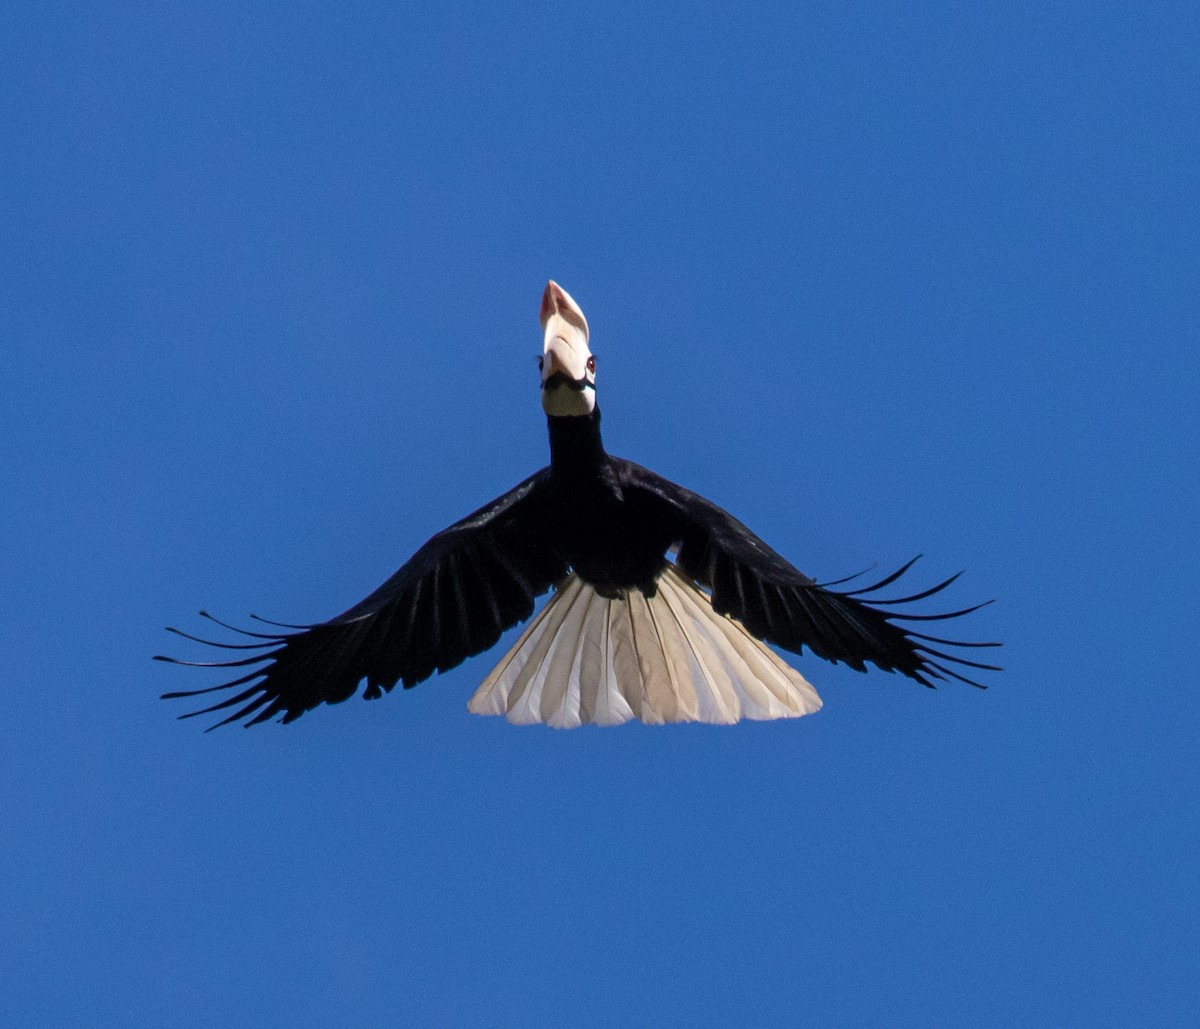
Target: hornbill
{"x":663,"y":606}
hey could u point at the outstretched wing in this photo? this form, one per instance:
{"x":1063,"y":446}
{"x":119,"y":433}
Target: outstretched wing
{"x":781,"y":605}
{"x":453,"y":599}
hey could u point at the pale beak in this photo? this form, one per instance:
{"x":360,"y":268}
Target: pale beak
{"x":553,"y":360}
{"x":568,"y":369}
{"x":557,"y":301}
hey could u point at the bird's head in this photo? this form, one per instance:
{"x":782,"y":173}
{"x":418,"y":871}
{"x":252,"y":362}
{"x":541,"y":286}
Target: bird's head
{"x":568,"y":367}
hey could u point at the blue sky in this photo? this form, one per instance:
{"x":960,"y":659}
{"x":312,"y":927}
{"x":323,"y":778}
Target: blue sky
{"x":880,"y":278}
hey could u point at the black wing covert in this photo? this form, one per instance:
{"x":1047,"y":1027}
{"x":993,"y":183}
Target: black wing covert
{"x":779,"y":604}
{"x":453,"y":599}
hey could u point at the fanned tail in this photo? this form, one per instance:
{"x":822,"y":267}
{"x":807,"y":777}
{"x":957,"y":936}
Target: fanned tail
{"x":588,"y":659}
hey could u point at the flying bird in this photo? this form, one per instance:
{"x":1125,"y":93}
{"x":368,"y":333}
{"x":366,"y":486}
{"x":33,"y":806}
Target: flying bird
{"x":663,"y":606}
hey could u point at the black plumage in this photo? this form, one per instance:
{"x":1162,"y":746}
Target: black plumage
{"x":613,"y":524}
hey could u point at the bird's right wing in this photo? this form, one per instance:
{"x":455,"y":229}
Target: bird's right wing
{"x":780,"y":604}
{"x":453,"y":599}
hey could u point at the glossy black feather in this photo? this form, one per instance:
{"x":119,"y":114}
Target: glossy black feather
{"x":752,"y":583}
{"x":453,"y":599}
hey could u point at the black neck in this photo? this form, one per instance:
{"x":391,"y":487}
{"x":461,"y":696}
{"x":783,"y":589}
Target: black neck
{"x":575,"y":446}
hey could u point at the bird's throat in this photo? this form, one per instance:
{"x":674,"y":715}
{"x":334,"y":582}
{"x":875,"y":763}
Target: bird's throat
{"x":575,"y":445}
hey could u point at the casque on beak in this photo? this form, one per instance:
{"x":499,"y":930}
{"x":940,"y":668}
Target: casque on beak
{"x":557,"y":301}
{"x":568,"y":372}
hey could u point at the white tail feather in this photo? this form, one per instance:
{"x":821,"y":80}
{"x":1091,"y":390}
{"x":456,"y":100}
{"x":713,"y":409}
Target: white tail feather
{"x":586,"y":659}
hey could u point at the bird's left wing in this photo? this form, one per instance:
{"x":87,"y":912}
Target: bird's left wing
{"x":453,"y":599}
{"x":777,"y":603}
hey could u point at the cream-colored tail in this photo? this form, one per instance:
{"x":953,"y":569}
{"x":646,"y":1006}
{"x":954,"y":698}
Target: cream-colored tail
{"x":668,"y":658}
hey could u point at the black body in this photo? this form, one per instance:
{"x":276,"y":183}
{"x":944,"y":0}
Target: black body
{"x":608,"y":533}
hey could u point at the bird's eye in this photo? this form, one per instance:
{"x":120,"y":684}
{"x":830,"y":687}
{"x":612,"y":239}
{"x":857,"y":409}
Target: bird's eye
{"x":591,"y":364}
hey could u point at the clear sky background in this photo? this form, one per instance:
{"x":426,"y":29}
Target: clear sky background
{"x":881,"y":278}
